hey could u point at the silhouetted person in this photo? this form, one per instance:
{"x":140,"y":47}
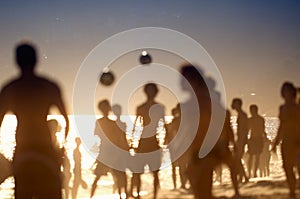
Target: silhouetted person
{"x":104,"y":130}
{"x":64,"y":161}
{"x":54,"y":127}
{"x":256,"y":141}
{"x":242,"y":133}
{"x":77,"y":169}
{"x":36,"y":167}
{"x":66,"y":172}
{"x":221,"y":152}
{"x":288,"y":133}
{"x":265,"y":156}
{"x":181,"y":162}
{"x":150,"y":113}
{"x":199,"y":171}
{"x":120,"y":133}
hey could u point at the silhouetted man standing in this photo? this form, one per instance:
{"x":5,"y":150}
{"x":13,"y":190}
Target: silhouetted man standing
{"x":30,"y":97}
{"x":242,"y":133}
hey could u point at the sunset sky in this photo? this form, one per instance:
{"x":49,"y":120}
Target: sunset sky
{"x":255,"y":44}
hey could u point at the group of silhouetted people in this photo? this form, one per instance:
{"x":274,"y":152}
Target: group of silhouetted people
{"x":41,"y":169}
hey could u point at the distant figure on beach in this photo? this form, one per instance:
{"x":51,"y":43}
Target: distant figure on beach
{"x":66,"y":172}
{"x":149,"y":113}
{"x":265,"y":157}
{"x":288,"y":133}
{"x":64,"y":161}
{"x":103,"y":129}
{"x":242,"y":133}
{"x":256,"y":141}
{"x":119,"y":132}
{"x":54,"y":127}
{"x":36,"y":167}
{"x":181,"y":163}
{"x":77,"y":169}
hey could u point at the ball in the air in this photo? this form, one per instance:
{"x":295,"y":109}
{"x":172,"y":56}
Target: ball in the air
{"x":107,"y":78}
{"x":145,"y":58}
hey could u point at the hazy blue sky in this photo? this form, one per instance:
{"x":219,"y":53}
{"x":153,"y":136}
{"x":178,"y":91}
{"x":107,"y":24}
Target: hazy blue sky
{"x":255,"y":44}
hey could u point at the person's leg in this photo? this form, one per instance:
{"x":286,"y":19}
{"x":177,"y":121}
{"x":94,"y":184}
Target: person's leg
{"x":200,"y":174}
{"x":75,"y":188}
{"x":94,"y":186}
{"x":288,"y":157}
{"x":135,"y":182}
{"x":229,"y":160}
{"x":124,"y":183}
{"x":238,"y":158}
{"x":155,"y":183}
{"x":66,"y":185}
{"x":250,"y":163}
{"x":174,"y":175}
{"x":256,"y":163}
{"x":183,"y":177}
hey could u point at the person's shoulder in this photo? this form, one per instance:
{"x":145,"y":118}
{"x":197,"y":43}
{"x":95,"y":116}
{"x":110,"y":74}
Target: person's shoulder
{"x":261,"y":117}
{"x":141,"y":107}
{"x":46,"y":81}
{"x":10,"y":87}
{"x":282,"y":108}
{"x":11,"y":83}
{"x":243,"y":115}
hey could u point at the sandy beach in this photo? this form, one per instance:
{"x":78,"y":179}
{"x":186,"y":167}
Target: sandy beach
{"x":274,"y":187}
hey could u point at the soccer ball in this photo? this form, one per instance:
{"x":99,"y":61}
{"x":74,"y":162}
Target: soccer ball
{"x":107,"y":78}
{"x":145,"y":58}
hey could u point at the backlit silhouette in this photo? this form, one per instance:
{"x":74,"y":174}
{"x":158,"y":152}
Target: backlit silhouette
{"x":256,"y":141}
{"x":242,"y":133}
{"x":288,"y":133}
{"x":149,"y":113}
{"x":29,"y":96}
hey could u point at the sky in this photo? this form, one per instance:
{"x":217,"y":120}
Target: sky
{"x":255,"y":44}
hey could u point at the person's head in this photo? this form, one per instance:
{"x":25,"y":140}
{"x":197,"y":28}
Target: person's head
{"x":236,"y":103}
{"x":104,"y":107}
{"x":194,"y":77}
{"x":253,"y":109}
{"x":151,"y":90}
{"x":54,"y":126}
{"x":117,"y":110}
{"x":288,"y":91}
{"x":26,"y":57}
{"x":78,"y":141}
{"x":176,"y":110}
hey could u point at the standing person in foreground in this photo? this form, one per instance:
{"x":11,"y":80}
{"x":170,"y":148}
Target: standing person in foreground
{"x":199,"y":171}
{"x":150,"y":112}
{"x":242,"y":133}
{"x":36,"y":167}
{"x":288,"y":132}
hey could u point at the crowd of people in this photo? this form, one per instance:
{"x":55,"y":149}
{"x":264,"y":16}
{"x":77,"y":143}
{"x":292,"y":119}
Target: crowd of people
{"x":246,"y":152}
